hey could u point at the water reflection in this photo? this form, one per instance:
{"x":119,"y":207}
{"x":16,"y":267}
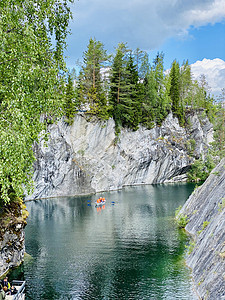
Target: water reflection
{"x":128,"y":249}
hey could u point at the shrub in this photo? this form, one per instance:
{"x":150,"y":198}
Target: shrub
{"x":201,"y":169}
{"x":204,"y":225}
{"x":182,"y":220}
{"x":190,"y":247}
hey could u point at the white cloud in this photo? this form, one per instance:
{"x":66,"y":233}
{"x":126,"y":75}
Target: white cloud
{"x":213,"y":13}
{"x":142,"y":23}
{"x":214,"y":71}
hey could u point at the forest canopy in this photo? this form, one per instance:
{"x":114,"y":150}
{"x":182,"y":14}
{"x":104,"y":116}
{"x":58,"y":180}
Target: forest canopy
{"x":127,"y":87}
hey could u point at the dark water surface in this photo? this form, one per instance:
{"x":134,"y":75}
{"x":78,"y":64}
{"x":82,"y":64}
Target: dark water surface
{"x":128,"y":250}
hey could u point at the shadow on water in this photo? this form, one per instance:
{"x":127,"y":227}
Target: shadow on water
{"x":130,"y":249}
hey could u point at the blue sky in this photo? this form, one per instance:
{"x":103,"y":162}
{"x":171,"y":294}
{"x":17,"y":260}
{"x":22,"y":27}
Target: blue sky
{"x":187,"y":29}
{"x":204,"y":42}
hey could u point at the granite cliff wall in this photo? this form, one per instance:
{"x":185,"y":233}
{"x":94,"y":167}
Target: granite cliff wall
{"x":205,"y":210}
{"x":87,"y":157}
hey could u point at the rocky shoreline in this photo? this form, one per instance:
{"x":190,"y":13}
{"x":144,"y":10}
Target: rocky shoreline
{"x":12,"y":238}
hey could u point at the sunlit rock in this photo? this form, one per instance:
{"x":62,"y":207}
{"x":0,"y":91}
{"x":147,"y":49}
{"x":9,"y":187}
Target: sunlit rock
{"x":205,"y":210}
{"x":88,"y":157}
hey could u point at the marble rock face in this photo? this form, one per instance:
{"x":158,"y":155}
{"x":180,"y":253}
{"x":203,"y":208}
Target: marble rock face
{"x":205,"y":210}
{"x":12,"y":245}
{"x":88,"y":157}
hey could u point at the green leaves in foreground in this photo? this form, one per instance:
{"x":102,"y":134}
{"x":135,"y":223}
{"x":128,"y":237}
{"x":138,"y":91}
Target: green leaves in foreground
{"x":30,"y":83}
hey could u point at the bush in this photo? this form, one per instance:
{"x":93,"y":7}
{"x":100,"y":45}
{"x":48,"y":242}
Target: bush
{"x":182,"y":220}
{"x":190,"y":247}
{"x":201,"y":169}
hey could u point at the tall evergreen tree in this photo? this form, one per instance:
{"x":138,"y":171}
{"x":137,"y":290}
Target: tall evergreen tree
{"x":185,"y":83}
{"x":149,"y":100}
{"x":177,"y":107}
{"x":133,"y":101}
{"x":142,"y":63}
{"x":161,"y":103}
{"x":118,"y":87}
{"x":69,"y":104}
{"x":125,"y":89}
{"x":90,"y":85}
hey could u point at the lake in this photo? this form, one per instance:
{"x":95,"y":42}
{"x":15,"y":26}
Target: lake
{"x":130,"y":248}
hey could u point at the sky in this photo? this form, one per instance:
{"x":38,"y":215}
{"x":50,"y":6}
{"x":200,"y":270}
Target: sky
{"x":192,"y":30}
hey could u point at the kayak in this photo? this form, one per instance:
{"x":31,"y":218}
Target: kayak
{"x":100,"y":203}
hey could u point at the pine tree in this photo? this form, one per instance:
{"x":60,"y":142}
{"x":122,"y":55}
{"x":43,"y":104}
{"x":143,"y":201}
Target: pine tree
{"x":142,"y":63}
{"x":161,"y":107}
{"x":125,"y":89}
{"x":69,"y":104}
{"x":177,"y":107}
{"x":185,"y":83}
{"x":90,"y":82}
{"x":149,"y":100}
{"x":118,"y":88}
{"x":133,"y":101}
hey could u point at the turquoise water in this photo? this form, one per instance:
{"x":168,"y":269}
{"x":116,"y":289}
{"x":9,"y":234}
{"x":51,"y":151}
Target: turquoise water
{"x":129,"y":249}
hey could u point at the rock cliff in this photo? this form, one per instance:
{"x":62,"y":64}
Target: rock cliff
{"x":205,"y":210}
{"x":88,"y":157}
{"x":12,"y":245}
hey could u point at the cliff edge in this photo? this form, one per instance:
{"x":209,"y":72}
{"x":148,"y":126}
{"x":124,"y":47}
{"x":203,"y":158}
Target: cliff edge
{"x":205,"y":210}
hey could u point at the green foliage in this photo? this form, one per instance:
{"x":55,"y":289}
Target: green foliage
{"x":190,"y":144}
{"x":204,"y":225}
{"x":69,"y":104}
{"x":181,"y":219}
{"x":81,"y":152}
{"x":91,"y":92}
{"x":178,"y":210}
{"x":156,"y":102}
{"x":133,"y":92}
{"x":190,"y":247}
{"x":185,"y":83}
{"x":118,"y":97}
{"x":29,"y":83}
{"x":162,"y":88}
{"x":149,"y":100}
{"x":201,"y":169}
{"x":219,"y":127}
{"x":177,"y":106}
